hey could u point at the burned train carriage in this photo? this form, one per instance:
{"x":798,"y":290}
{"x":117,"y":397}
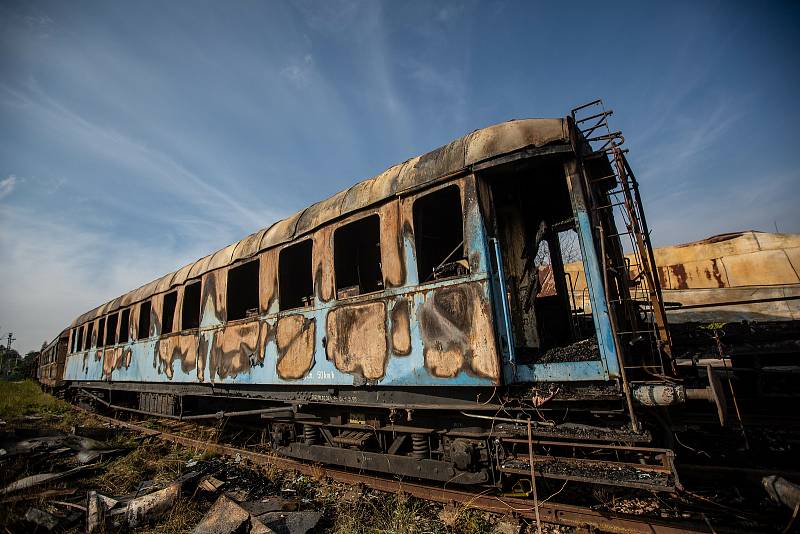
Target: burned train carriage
{"x":410,"y":323}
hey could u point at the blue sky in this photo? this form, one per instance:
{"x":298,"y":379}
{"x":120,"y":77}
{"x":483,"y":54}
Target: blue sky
{"x":136,"y":137}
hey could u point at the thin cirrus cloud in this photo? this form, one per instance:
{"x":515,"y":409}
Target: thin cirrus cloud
{"x":138,"y":137}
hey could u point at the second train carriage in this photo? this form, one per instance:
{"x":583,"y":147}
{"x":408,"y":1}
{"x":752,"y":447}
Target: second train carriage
{"x":404,"y":324}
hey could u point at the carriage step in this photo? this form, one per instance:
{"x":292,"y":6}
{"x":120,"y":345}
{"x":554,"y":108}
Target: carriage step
{"x":352,"y":438}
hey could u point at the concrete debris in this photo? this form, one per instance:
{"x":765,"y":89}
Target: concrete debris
{"x":782,"y":491}
{"x":210,"y":484}
{"x":150,"y":507}
{"x":290,"y":522}
{"x":271,"y":504}
{"x":42,"y":519}
{"x":95,"y":513}
{"x":238,"y":495}
{"x":227,"y":517}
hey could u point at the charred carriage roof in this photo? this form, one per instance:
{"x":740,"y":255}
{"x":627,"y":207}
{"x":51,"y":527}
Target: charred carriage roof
{"x":449,"y":160}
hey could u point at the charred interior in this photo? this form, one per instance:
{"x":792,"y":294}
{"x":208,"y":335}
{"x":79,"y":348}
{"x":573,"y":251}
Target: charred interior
{"x":242,"y":294}
{"x":357,"y":257}
{"x":536,"y":229}
{"x":295,"y":280}
{"x":439,"y":235}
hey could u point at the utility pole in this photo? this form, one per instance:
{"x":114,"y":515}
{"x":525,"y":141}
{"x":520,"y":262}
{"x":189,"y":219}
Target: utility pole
{"x":5,"y":366}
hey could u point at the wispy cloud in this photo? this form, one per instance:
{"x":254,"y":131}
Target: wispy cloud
{"x":7,"y":185}
{"x":299,"y":73}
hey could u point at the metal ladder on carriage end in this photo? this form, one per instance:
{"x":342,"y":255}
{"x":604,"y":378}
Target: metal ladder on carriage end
{"x":598,"y":140}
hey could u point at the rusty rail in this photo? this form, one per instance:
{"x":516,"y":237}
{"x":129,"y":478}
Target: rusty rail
{"x":582,"y":518}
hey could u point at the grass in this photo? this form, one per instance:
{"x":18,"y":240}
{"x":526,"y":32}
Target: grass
{"x":18,"y":399}
{"x":150,"y":461}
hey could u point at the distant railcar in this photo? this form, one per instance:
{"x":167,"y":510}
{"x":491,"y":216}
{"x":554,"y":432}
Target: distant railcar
{"x":403,"y":325}
{"x":50,"y":367}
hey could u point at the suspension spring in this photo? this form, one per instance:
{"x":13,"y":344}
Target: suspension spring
{"x":419,"y":446}
{"x":310,"y":435}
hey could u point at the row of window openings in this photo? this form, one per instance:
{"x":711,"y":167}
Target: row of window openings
{"x":439,"y":241}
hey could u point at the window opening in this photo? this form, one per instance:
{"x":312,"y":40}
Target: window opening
{"x":439,"y":235}
{"x":168,"y":312}
{"x":143,"y":332}
{"x":111,"y":329}
{"x":190,"y":312}
{"x":125,"y":325}
{"x":295,"y":281}
{"x":242,"y":292}
{"x":357,"y":257}
{"x":101,"y":330}
{"x":79,"y":345}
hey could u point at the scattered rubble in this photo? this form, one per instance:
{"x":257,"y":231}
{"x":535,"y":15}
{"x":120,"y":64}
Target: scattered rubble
{"x":782,"y":491}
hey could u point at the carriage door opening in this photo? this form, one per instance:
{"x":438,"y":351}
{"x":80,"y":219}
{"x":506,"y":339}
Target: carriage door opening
{"x":536,"y":230}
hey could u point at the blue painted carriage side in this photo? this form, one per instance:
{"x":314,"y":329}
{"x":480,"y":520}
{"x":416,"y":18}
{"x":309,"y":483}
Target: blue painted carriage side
{"x":400,"y":370}
{"x":409,"y":370}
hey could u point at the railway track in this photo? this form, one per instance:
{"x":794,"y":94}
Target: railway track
{"x":583,"y":519}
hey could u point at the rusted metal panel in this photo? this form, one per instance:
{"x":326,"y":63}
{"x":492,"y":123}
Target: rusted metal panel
{"x":295,"y":337}
{"x":212,"y":303}
{"x":319,"y":213}
{"x":322,"y":260}
{"x":200,"y":267}
{"x":392,"y":262}
{"x":268,"y":288}
{"x":248,"y":247}
{"x":703,"y":271}
{"x":357,"y":339}
{"x":760,"y":268}
{"x":181,"y":275}
{"x":156,"y":308}
{"x":401,"y":327}
{"x":355,"y":197}
{"x":221,"y":258}
{"x":431,"y":166}
{"x":513,"y":135}
{"x":280,"y":232}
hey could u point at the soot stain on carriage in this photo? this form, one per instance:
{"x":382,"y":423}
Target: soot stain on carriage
{"x":318,"y":284}
{"x":447,"y":328}
{"x":295,"y":337}
{"x":401,"y":328}
{"x":357,"y":339}
{"x":235,"y":348}
{"x":172,"y":348}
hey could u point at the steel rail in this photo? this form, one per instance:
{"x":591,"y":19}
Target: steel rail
{"x":582,"y":518}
